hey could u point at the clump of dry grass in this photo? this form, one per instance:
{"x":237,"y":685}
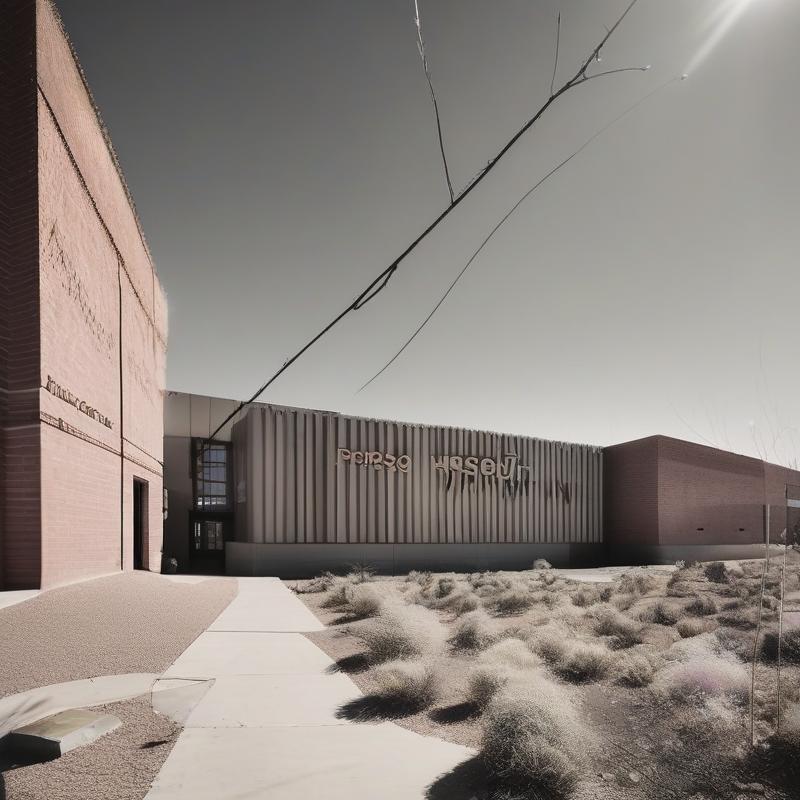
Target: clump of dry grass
{"x":702,"y":606}
{"x":637,"y":582}
{"x":364,"y":601}
{"x":735,"y":641}
{"x":550,"y":643}
{"x":698,"y":679}
{"x":401,"y":631}
{"x":624,"y":601}
{"x":514,"y":600}
{"x":691,"y":627}
{"x":661,"y":613}
{"x":422,"y":579}
{"x":790,"y":646}
{"x":532,"y":741}
{"x":583,"y":662}
{"x":624,"y":632}
{"x":633,"y":669}
{"x":717,"y":572}
{"x":411,"y":685}
{"x":322,"y":583}
{"x":786,"y":744}
{"x":474,"y":631}
{"x":485,"y":681}
{"x":340,"y":591}
{"x":512,"y":653}
{"x":542,"y":563}
{"x":461,"y":602}
{"x":586,"y":596}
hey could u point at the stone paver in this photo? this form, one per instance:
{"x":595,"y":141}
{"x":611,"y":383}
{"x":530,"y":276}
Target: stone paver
{"x":20,"y":709}
{"x":268,"y":726}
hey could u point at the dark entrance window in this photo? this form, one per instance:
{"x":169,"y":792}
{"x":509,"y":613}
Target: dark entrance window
{"x":209,"y":536}
{"x":211,"y":476}
{"x":139,"y":523}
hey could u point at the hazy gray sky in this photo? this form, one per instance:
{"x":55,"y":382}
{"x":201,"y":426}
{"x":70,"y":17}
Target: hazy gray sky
{"x":283,"y":152}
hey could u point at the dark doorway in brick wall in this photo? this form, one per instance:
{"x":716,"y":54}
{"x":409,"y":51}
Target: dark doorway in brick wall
{"x":140,"y":491}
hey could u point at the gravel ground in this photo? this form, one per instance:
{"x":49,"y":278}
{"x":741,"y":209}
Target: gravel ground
{"x":119,"y":766}
{"x":131,"y":622}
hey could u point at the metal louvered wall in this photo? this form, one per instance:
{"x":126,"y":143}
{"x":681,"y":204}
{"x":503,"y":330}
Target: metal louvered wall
{"x":323,"y":478}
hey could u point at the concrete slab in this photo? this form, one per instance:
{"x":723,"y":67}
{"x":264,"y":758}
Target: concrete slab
{"x":177,"y":699}
{"x":18,"y":596}
{"x":18,"y":710}
{"x":265,"y":604}
{"x":285,"y":763}
{"x":256,"y":701}
{"x":57,"y":734}
{"x":220,"y":654}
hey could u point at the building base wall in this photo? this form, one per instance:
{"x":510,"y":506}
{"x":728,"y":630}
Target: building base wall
{"x":668,"y":554}
{"x":306,"y":560}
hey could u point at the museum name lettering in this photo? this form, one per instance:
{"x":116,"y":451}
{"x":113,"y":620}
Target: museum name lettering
{"x":82,"y":406}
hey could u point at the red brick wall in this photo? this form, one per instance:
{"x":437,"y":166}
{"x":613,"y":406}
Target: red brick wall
{"x":19,"y":308}
{"x":84,"y":311}
{"x":703,"y":487}
{"x":630,"y":493}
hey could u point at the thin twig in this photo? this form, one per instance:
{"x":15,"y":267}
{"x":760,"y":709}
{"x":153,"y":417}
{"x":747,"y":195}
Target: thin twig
{"x":421,"y":48}
{"x":382,"y":280}
{"x":758,"y":630}
{"x":780,"y":628}
{"x":500,"y":224}
{"x":555,"y":63}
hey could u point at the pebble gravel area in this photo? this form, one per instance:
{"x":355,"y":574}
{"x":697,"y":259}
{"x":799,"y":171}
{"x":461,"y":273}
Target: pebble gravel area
{"x":130,"y":622}
{"x":119,"y":766}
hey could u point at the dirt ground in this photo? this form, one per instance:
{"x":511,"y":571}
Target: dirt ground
{"x":641,"y":743}
{"x":131,"y":622}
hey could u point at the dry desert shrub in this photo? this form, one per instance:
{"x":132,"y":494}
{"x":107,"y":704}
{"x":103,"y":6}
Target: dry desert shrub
{"x":322,"y":583}
{"x":624,"y":632}
{"x":736,"y":642}
{"x":361,"y":573}
{"x":485,"y":681}
{"x":691,"y":627}
{"x":624,"y":601}
{"x":790,"y":646}
{"x":401,"y":631}
{"x":699,"y":679}
{"x":340,"y":590}
{"x":633,"y":669}
{"x":716,"y":572}
{"x":364,"y":601}
{"x":786,"y":744}
{"x":742,"y":617}
{"x":637,"y":582}
{"x":422,"y":579}
{"x":511,"y":653}
{"x":513,"y":601}
{"x":410,"y":685}
{"x":474,"y":631}
{"x":532,"y":741}
{"x":542,"y":563}
{"x":702,"y":606}
{"x":586,"y":596}
{"x":550,"y":643}
{"x":462,"y":601}
{"x":584,"y":662}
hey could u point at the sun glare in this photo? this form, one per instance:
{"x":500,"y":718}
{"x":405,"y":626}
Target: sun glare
{"x":721,"y":20}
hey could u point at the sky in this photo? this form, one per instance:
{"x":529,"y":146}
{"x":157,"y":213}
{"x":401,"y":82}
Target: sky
{"x":281,"y":153}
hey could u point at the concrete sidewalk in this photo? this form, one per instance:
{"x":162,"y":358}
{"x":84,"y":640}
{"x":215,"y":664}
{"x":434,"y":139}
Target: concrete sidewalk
{"x":268,"y":728}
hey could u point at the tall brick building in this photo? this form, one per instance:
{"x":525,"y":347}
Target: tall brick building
{"x":82,"y":327}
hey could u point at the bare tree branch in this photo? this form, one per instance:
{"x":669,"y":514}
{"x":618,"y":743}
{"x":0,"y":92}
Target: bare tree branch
{"x":421,"y":48}
{"x":382,"y":280}
{"x":555,"y":62}
{"x":503,"y":220}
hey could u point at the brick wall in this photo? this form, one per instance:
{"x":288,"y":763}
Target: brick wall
{"x":19,"y":309}
{"x":630,"y":493}
{"x":82,"y":324}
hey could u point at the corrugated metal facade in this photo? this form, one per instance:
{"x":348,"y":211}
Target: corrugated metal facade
{"x":319,"y":477}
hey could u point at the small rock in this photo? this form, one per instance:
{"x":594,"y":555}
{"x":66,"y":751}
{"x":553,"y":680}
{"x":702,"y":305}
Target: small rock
{"x":634,"y":777}
{"x":607,"y":776}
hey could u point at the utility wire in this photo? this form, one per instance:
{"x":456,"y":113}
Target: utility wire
{"x":381,"y":281}
{"x":503,"y":220}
